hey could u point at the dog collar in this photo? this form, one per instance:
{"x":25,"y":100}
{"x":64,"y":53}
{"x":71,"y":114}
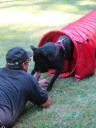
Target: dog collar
{"x":59,"y":43}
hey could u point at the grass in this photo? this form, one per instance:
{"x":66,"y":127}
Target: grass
{"x":23,"y":22}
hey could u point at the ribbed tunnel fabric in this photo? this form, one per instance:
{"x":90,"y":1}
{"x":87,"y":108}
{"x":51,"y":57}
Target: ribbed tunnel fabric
{"x":83,"y":34}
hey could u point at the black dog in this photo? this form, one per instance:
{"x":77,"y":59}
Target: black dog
{"x":52,"y":56}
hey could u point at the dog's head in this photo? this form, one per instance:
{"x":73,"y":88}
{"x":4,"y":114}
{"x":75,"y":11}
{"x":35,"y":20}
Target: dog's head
{"x":41,"y":59}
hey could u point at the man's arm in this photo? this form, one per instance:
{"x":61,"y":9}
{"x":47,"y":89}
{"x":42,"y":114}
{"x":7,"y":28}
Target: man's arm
{"x":43,"y":83}
{"x":38,"y":95}
{"x":47,"y":103}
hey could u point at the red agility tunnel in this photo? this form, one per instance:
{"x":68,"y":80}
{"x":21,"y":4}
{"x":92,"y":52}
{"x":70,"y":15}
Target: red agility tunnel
{"x":83,"y":34}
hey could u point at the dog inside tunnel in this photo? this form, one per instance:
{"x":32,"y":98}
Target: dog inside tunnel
{"x":53,"y":36}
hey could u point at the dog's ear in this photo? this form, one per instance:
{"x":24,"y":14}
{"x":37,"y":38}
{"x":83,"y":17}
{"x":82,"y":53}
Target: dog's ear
{"x":33,"y":48}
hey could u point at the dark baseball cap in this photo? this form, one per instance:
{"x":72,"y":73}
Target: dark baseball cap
{"x":16,"y":56}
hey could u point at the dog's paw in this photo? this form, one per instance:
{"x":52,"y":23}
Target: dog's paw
{"x":33,"y":72}
{"x":49,"y":88}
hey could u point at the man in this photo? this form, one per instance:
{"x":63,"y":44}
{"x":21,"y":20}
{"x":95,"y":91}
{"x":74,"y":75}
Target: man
{"x":17,"y":87}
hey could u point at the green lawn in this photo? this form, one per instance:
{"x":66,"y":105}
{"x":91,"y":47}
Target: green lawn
{"x":24,"y":22}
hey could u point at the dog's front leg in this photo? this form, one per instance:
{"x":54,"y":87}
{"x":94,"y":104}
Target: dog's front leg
{"x":33,"y":72}
{"x":53,"y":79}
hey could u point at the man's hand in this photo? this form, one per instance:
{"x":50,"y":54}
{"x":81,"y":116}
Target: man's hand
{"x":37,"y":75}
{"x":44,"y":82}
{"x":47,"y":103}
